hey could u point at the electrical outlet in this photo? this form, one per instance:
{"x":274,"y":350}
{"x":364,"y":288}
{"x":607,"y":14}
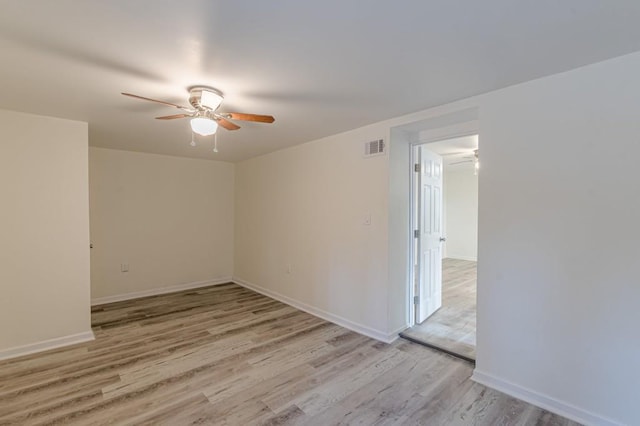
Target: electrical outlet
{"x":124,"y":267}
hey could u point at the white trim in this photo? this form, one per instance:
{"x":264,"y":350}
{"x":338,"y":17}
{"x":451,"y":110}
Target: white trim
{"x":395,"y":335}
{"x":543,"y":401}
{"x":46,"y":345}
{"x":413,"y":225}
{"x":457,"y":130}
{"x":437,"y":134}
{"x":327,"y":316}
{"x":157,"y":291}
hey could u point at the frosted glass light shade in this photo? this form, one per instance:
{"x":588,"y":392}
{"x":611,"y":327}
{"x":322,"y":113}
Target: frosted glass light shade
{"x":204,"y":126}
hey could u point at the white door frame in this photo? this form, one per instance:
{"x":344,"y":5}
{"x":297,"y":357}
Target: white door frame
{"x":413,"y":200}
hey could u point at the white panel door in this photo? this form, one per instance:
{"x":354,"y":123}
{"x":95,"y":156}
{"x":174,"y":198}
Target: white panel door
{"x":430,"y":234}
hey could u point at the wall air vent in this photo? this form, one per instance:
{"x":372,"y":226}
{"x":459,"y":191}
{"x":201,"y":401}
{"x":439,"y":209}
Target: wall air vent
{"x":376,"y":147}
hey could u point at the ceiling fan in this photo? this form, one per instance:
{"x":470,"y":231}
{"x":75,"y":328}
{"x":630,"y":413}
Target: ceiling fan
{"x":467,"y":159}
{"x":204,"y":113}
{"x":470,"y":159}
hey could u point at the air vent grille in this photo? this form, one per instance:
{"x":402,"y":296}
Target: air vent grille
{"x":376,"y":147}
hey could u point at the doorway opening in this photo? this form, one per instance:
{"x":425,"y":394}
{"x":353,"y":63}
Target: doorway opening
{"x":445,"y":231}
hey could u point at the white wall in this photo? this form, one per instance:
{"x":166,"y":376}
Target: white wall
{"x":44,"y":232}
{"x":557,"y":308}
{"x":169,"y":218}
{"x":461,"y":214}
{"x":305,"y":207}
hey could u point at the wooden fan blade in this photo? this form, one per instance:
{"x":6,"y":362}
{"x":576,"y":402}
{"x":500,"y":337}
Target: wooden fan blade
{"x":227,"y":124}
{"x":172,"y":117}
{"x":157,"y":101}
{"x":251,"y":117}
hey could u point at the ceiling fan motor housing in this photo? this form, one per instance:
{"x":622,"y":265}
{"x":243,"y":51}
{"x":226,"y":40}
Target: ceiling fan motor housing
{"x":204,"y":98}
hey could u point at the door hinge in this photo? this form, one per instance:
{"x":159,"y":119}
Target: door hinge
{"x":416,"y":300}
{"x":416,"y":168}
{"x":416,"y":233}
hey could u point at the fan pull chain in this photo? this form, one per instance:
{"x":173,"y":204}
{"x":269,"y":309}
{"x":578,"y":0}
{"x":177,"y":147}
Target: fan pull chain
{"x":215,"y":142}
{"x":193,"y":139}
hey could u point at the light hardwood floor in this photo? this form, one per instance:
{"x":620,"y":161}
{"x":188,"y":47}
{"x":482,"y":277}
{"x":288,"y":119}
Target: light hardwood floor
{"x":453,"y":326}
{"x":226,"y":355}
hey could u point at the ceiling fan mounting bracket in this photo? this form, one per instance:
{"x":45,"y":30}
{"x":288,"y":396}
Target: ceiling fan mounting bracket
{"x":196,"y":97}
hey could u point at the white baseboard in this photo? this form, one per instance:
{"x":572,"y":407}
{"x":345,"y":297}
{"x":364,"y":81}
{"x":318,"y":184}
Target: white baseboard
{"x":46,"y":345}
{"x":157,"y":291}
{"x":328,"y":316}
{"x":546,"y":402}
{"x":395,"y":335}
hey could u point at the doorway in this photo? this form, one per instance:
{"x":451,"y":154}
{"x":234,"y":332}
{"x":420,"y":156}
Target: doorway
{"x":445,"y":212}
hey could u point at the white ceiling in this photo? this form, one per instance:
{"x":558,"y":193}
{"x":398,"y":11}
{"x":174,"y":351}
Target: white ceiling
{"x":455,"y":150}
{"x":319,"y":67}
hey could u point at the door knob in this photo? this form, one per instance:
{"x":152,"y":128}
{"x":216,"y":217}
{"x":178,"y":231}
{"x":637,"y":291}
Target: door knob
{"x":442,"y":239}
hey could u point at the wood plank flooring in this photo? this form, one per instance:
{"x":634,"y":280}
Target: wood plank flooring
{"x":453,"y":326}
{"x":224,"y":355}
